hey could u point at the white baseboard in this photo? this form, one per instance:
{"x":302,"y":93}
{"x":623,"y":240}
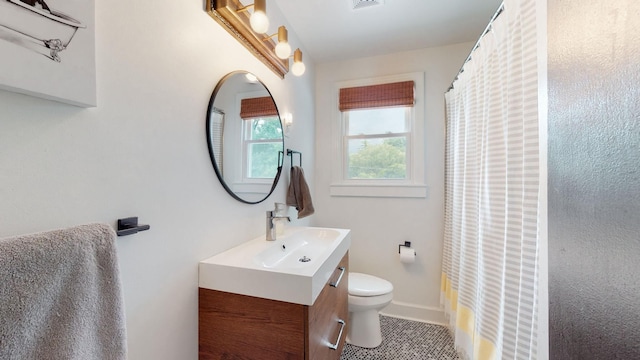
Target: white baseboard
{"x":432,"y":315}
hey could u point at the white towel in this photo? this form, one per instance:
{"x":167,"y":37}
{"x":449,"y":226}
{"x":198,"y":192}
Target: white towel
{"x":60,"y":296}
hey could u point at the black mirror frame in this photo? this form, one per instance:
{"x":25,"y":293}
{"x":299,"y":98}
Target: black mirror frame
{"x":210,"y":144}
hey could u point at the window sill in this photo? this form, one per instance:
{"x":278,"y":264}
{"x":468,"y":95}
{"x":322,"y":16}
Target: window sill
{"x":249,"y":188}
{"x":384,"y":191}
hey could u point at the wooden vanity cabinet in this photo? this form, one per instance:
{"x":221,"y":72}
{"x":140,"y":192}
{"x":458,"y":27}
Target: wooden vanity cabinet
{"x":233,"y":326}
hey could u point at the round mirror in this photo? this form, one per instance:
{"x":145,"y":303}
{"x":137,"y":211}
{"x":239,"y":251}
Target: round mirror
{"x":245,"y":139}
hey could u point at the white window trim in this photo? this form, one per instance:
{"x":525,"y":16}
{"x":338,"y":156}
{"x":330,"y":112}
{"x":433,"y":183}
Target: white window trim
{"x":245,"y":154}
{"x":413,"y":187}
{"x":241,"y":184}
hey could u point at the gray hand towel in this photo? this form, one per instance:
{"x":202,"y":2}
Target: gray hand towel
{"x":298,"y":194}
{"x":60,"y":296}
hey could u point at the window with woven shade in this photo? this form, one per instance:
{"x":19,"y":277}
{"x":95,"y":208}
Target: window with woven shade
{"x":378,"y":137}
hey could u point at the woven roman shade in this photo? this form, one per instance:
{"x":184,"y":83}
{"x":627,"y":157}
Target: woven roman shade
{"x":375,"y":96}
{"x":257,"y":107}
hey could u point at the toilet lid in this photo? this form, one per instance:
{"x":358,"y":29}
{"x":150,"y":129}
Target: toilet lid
{"x":368,"y":285}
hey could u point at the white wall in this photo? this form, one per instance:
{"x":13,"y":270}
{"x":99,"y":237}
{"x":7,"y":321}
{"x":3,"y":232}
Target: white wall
{"x":143,"y":152}
{"x":380,"y":224}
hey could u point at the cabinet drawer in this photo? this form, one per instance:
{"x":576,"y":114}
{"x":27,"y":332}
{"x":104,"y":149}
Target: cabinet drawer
{"x":329,"y":314}
{"x":233,"y":326}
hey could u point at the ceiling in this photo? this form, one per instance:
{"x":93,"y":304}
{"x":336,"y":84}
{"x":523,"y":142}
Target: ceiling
{"x":332,"y":30}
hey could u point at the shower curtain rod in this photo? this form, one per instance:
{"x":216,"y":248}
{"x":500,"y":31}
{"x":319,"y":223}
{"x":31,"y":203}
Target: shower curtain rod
{"x":477,"y":44}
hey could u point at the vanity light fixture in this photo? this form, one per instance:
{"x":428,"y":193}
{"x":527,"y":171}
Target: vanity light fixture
{"x":250,"y":77}
{"x":258,"y":19}
{"x":287,"y":121}
{"x":298,"y":67}
{"x":233,"y":16}
{"x":283,"y":49}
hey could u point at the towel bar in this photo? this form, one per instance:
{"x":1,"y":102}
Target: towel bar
{"x":129,"y":226}
{"x":291,"y":152}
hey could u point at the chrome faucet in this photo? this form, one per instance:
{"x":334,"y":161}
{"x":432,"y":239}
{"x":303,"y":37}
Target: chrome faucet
{"x":271,"y":226}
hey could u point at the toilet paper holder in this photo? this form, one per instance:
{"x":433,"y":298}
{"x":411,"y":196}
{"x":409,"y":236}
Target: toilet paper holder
{"x":406,"y":244}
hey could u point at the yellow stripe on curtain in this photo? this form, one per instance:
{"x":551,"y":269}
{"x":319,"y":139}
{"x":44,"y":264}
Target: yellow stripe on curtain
{"x":466,"y":320}
{"x":483,"y":349}
{"x":449,"y":294}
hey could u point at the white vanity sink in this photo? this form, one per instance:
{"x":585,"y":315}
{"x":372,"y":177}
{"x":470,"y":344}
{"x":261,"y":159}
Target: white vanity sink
{"x":298,"y":249}
{"x":294,"y":268}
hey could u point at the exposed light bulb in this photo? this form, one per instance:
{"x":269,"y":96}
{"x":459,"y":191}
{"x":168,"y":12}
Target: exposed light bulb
{"x":287,"y":121}
{"x":288,"y":118}
{"x":298,"y":67}
{"x":259,"y":22}
{"x":283,"y":50}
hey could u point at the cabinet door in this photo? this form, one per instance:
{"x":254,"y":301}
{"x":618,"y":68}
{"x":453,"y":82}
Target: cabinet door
{"x":239,"y":327}
{"x":325,"y":315}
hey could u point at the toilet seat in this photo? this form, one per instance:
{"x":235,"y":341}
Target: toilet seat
{"x":367,"y":285}
{"x":368,"y":302}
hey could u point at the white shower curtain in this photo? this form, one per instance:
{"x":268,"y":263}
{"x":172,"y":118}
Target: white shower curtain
{"x":490,"y":259}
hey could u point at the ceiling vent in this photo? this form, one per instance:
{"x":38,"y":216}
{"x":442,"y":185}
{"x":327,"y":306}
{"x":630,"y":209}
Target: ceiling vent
{"x":359,"y":4}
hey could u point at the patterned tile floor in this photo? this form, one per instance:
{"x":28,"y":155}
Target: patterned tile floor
{"x":406,"y":340}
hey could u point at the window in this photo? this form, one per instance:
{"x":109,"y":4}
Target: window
{"x":379,"y":126}
{"x":376,"y":142}
{"x":262,"y":138}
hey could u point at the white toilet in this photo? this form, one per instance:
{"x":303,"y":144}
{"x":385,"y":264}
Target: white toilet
{"x":367,"y":295}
